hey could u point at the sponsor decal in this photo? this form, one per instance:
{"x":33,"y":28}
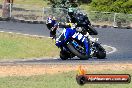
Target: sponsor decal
{"x":83,"y":78}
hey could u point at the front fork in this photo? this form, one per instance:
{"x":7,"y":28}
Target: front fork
{"x":92,"y":44}
{"x":93,"y":49}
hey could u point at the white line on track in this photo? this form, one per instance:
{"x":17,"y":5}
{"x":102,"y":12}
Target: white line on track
{"x":22,"y":34}
{"x":113,"y":49}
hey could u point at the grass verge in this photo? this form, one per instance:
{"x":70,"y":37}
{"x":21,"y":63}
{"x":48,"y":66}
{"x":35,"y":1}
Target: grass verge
{"x":14,"y":46}
{"x":63,"y":80}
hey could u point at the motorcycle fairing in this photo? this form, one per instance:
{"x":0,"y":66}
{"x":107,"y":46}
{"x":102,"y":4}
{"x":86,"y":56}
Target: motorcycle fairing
{"x":71,"y":33}
{"x":83,"y":39}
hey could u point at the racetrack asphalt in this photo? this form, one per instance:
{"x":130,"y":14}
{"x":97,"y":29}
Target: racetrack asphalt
{"x":121,"y":39}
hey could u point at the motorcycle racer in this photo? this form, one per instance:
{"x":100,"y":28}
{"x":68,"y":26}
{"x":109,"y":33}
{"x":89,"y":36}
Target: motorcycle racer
{"x":52,"y":26}
{"x":49,"y":22}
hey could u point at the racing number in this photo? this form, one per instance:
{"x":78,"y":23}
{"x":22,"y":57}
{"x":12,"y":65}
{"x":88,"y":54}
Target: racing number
{"x":75,"y":35}
{"x":79,"y":36}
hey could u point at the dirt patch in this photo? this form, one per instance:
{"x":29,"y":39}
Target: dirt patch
{"x":28,"y":70}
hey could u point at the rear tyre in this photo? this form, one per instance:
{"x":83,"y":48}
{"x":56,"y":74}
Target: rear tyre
{"x":78,"y":54}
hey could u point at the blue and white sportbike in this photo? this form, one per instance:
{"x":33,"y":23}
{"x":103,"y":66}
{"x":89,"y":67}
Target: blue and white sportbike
{"x":73,"y":43}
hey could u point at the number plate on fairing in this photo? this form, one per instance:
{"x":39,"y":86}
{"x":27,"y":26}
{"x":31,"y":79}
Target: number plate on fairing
{"x":79,"y":36}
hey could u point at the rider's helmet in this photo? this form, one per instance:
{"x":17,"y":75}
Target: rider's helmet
{"x":49,"y":20}
{"x":80,"y":18}
{"x":54,"y":18}
{"x":54,"y":21}
{"x":72,"y":25}
{"x":69,"y":24}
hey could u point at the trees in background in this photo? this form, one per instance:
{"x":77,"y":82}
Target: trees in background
{"x":120,"y":6}
{"x":74,"y":3}
{"x":62,"y":3}
{"x":84,"y":1}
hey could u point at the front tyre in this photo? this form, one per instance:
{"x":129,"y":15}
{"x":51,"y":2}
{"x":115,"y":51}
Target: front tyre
{"x":101,"y":54}
{"x":63,"y":55}
{"x":78,"y":54}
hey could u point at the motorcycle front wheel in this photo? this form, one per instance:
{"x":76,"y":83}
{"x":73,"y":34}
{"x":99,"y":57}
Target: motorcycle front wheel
{"x":76,"y":52}
{"x":101,"y":53}
{"x":63,"y":55}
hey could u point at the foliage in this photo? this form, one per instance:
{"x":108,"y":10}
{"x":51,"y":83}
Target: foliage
{"x":120,"y":6}
{"x":67,"y":3}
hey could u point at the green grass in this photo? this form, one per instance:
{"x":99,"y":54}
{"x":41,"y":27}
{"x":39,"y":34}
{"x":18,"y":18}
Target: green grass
{"x":64,"y":80}
{"x":14,"y":46}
